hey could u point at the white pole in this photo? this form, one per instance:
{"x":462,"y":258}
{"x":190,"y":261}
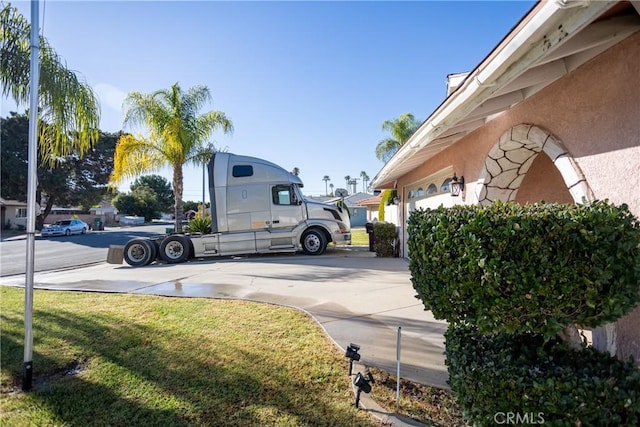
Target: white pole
{"x":32,"y":177}
{"x":398,"y":345}
{"x":203,"y":215}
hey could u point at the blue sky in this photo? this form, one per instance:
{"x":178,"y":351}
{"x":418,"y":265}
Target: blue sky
{"x":306,"y":84}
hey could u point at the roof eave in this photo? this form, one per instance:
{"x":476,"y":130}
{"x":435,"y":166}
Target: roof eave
{"x":542,"y":30}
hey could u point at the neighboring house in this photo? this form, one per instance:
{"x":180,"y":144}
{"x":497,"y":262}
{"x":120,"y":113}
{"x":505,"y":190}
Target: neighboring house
{"x":104,"y":212}
{"x":372,"y":205}
{"x":552,"y":113}
{"x":13,"y":214}
{"x":358,"y":213}
{"x":104,"y":208}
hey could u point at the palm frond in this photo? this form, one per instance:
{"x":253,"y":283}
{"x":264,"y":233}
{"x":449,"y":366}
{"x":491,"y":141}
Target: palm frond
{"x":135,"y":156}
{"x":195,"y":98}
{"x":67,"y":104}
{"x":177,"y":134}
{"x":386,"y":149}
{"x":401,"y":130}
{"x":14,"y":54}
{"x":202,"y":154}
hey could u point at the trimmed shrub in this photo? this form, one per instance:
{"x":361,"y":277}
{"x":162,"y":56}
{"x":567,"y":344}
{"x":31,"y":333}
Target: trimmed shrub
{"x":516,"y":269}
{"x":386,"y":243}
{"x":544,"y":382}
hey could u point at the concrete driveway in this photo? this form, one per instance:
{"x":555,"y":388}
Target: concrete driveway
{"x":355,"y":296}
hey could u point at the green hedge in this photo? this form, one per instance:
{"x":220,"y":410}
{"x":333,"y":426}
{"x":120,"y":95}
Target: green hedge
{"x":493,"y":376}
{"x":386,"y":244}
{"x":514,"y":268}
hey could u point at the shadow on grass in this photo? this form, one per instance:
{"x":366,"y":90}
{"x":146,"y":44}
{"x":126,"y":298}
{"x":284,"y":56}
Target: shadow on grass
{"x":137,"y":375}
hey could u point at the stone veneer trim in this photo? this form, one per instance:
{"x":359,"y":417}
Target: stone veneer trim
{"x":514,"y":153}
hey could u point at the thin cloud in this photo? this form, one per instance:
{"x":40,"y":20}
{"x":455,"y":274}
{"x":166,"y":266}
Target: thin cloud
{"x":110,"y":96}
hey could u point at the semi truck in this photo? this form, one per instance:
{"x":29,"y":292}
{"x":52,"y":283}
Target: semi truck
{"x":257,"y":207}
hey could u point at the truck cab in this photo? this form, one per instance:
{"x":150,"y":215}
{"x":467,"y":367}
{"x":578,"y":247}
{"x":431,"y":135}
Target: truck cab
{"x":258,"y":207}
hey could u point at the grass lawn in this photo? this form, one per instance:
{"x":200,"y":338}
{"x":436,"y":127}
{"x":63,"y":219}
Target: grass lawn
{"x":359,"y":237}
{"x":122,"y":360}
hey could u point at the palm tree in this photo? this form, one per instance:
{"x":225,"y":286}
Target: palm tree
{"x":365,"y":179}
{"x":331,"y":186}
{"x":348,"y":180}
{"x":67,"y":105}
{"x":401,"y":130}
{"x":326,"y":179}
{"x":354,"y":183}
{"x":177,"y":135}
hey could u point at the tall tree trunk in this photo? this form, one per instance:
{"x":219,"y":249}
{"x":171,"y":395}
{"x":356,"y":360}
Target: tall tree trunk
{"x":43,"y":212}
{"x":571,"y":337}
{"x":177,"y":192}
{"x":40,"y":219}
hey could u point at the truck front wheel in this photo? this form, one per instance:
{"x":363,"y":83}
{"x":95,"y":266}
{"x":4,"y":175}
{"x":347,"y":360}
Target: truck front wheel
{"x":174,"y":249}
{"x":314,"y":242}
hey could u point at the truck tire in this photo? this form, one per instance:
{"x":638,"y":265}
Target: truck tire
{"x":313,"y":242}
{"x":153,"y":250}
{"x":175,"y":248}
{"x":138,"y":252}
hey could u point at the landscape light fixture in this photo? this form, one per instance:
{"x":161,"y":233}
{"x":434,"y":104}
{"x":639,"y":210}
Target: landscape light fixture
{"x":457,"y":185}
{"x":352,"y":354}
{"x":363,"y":383}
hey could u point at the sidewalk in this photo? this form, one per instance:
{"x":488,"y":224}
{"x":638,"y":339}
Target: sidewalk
{"x":355,"y":296}
{"x":12,"y":235}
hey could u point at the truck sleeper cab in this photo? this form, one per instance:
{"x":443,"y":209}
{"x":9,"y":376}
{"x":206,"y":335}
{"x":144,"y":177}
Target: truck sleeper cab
{"x":257,"y":207}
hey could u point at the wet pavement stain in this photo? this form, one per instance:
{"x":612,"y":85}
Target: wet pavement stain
{"x":179,"y":288}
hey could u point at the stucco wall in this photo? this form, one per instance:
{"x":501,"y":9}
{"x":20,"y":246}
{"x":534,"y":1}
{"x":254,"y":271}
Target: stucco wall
{"x":9,"y":218}
{"x":543,"y":182}
{"x":595,"y":113}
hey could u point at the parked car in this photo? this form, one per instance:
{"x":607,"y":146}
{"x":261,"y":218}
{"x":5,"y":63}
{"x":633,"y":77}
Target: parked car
{"x":65,"y":227}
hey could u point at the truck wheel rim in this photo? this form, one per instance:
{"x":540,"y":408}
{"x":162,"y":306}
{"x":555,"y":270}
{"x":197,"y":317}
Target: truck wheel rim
{"x":174,"y":250}
{"x":136,"y":252}
{"x":312,"y":243}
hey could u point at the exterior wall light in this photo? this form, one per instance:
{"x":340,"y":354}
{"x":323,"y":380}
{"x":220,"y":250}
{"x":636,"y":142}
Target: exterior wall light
{"x":363,"y":383}
{"x":352,"y":354}
{"x":457,"y":185}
